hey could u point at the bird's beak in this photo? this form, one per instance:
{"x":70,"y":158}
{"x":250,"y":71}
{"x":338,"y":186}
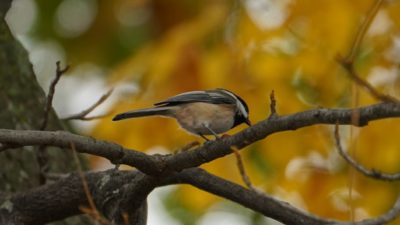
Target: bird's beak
{"x":247,"y":121}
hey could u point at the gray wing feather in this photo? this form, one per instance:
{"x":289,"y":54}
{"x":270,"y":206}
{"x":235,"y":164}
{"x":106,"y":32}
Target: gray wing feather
{"x":211,"y":96}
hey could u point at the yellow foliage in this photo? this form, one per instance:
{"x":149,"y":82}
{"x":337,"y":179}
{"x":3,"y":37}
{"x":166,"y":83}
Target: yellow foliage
{"x":298,"y":61}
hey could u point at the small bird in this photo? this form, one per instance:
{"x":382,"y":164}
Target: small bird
{"x":208,"y":112}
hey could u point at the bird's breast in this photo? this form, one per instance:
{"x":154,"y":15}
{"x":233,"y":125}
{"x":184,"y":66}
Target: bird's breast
{"x":195,"y":117}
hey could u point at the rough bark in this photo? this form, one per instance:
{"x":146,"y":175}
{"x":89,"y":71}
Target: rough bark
{"x":22,"y":105}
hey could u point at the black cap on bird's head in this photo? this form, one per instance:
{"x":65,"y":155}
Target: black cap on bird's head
{"x":242,"y":114}
{"x":242,"y":111}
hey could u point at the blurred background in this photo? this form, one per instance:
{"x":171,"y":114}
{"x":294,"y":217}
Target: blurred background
{"x":148,"y":50}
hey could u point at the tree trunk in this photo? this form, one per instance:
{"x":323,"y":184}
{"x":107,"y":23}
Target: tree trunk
{"x":22,"y":103}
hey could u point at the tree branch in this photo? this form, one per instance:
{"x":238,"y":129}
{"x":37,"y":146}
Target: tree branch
{"x":349,"y":66}
{"x":362,"y":30}
{"x":369,"y":173}
{"x":83,"y":115}
{"x":66,"y":196}
{"x":117,"y":193}
{"x":266,"y":205}
{"x":242,"y":170}
{"x":42,"y":156}
{"x":215,"y":149}
{"x":348,"y":61}
{"x":133,"y":199}
{"x":164,"y":164}
{"x":272,"y":104}
{"x":50,"y":95}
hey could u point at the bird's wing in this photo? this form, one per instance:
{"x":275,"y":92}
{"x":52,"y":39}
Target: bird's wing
{"x":210,"y":96}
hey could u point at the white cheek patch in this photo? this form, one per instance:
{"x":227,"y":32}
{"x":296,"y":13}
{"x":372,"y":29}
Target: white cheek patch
{"x":242,"y":109}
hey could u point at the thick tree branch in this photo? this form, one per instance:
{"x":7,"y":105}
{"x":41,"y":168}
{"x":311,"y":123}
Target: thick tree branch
{"x":215,"y":149}
{"x":266,"y":205}
{"x":51,"y":202}
{"x":63,"y":139}
{"x":65,"y":197}
{"x":120,"y":192}
{"x":134,"y":190}
{"x":163,"y":164}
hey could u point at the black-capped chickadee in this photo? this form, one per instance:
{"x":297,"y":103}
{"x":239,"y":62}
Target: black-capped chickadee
{"x":209,"y":112}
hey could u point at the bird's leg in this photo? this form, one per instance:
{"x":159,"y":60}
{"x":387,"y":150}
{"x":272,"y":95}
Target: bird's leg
{"x":209,"y":129}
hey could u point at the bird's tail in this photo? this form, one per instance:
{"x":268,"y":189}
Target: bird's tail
{"x":157,"y":111}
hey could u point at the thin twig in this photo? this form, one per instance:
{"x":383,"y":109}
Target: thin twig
{"x":348,"y":61}
{"x":349,"y":66}
{"x":242,"y":170}
{"x":92,"y":210}
{"x":367,"y":172}
{"x":84,"y":183}
{"x":355,"y":49}
{"x":42,"y":156}
{"x":272,"y":104}
{"x":50,"y":95}
{"x":83,"y":115}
